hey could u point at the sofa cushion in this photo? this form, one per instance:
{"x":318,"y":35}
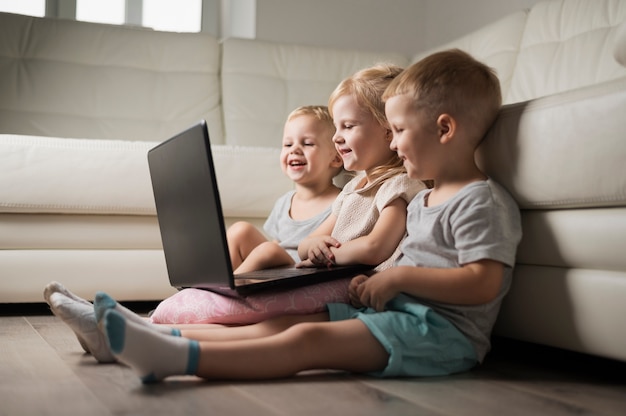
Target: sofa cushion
{"x":587,"y":238}
{"x":619,"y":47}
{"x":87,"y":176}
{"x":499,"y":52}
{"x":262,"y":82}
{"x":567,"y":44}
{"x":63,"y":78}
{"x":78,"y":231}
{"x":124,"y":274}
{"x":561,"y":151}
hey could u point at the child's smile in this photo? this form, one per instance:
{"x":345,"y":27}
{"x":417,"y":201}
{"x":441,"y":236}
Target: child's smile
{"x":359,"y":139}
{"x":343,"y":151}
{"x":296,"y":164}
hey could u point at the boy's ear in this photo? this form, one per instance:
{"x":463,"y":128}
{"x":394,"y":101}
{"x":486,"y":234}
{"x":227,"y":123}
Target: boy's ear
{"x":446,"y":127}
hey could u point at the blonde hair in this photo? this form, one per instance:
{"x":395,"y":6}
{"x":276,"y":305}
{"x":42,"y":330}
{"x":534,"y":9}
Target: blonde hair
{"x":455,"y":83}
{"x":367,"y":87}
{"x":319,"y":112}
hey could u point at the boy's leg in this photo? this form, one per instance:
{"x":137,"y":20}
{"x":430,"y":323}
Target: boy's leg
{"x":344,"y":345}
{"x":266,"y":255}
{"x":242,"y":238}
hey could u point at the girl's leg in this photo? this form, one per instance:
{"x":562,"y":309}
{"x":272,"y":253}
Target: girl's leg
{"x":262,"y":329}
{"x":266,"y":255}
{"x":344,"y":345}
{"x":242,"y":238}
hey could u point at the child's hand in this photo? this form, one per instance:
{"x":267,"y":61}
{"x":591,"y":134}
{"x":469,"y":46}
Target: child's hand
{"x":319,"y":253}
{"x":305,"y":263}
{"x":352,"y":290}
{"x":375,"y":291}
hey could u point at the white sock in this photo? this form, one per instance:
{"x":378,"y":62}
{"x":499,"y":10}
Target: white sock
{"x":104,"y":302}
{"x":53,"y":287}
{"x":152,"y":355}
{"x":82,"y":319}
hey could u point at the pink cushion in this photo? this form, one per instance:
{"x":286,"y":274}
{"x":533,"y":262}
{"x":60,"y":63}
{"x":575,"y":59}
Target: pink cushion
{"x":197,"y":306}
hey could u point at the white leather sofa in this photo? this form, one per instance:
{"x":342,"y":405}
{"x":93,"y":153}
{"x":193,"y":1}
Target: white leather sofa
{"x":81,"y":103}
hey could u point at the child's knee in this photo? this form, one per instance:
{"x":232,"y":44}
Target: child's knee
{"x":306,"y":334}
{"x":273,"y":250}
{"x":240,"y":229}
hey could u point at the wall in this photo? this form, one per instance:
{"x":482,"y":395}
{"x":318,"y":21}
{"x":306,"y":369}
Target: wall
{"x":407,"y":26}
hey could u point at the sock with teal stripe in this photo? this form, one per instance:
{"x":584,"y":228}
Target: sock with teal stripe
{"x":104,"y":302}
{"x":152,"y":355}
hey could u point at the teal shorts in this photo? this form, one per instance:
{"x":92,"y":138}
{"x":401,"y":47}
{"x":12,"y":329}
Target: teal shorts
{"x":419,"y":341}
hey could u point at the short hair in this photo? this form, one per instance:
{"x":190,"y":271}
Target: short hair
{"x":455,"y":83}
{"x":319,"y":112}
{"x":368,"y":86}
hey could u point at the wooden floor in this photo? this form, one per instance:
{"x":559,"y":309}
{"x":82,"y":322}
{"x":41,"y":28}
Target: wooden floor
{"x":44,"y":371}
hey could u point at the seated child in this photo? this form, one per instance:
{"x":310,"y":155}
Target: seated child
{"x":432,"y":313}
{"x":308,"y":157}
{"x":368,"y":217}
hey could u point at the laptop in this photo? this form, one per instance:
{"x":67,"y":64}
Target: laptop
{"x":192,"y":224}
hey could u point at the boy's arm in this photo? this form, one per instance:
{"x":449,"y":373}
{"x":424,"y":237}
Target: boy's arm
{"x":472,"y":284}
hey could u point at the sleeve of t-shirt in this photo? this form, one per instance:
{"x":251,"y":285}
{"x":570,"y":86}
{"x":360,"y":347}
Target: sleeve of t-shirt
{"x":487,"y":227}
{"x":399,"y":186}
{"x":338,"y":202}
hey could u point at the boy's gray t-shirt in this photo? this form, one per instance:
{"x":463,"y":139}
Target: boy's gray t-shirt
{"x":482,"y":221}
{"x":288,"y":232}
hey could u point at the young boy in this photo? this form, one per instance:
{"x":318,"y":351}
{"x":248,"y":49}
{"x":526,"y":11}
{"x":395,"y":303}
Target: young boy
{"x":433,"y":312}
{"x":308,"y":157}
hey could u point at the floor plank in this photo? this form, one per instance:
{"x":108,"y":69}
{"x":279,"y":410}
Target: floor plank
{"x":121,"y":391}
{"x":43,"y":370}
{"x":580,"y":383}
{"x":34,"y":380}
{"x":323,"y":393}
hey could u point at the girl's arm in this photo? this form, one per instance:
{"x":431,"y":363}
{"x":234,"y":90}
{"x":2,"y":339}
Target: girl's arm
{"x":380,"y":243}
{"x":321,"y":236}
{"x":472,"y":284}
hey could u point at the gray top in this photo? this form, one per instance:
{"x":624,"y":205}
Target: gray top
{"x":482,"y":221}
{"x":288,"y":232}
